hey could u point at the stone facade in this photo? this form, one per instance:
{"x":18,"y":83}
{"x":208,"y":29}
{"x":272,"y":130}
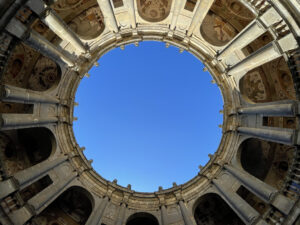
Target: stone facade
{"x":251,"y":49}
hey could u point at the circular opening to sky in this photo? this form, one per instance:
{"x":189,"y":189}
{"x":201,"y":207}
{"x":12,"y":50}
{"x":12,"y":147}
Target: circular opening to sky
{"x":148,"y":116}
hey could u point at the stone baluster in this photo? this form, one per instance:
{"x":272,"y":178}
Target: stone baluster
{"x":56,"y":24}
{"x":108,"y":14}
{"x":247,"y":214}
{"x":178,"y":5}
{"x":164,"y":215}
{"x":264,"y":191}
{"x":39,"y":43}
{"x":121,"y":215}
{"x":13,"y":121}
{"x":15,"y":94}
{"x":40,"y":201}
{"x":201,"y":12}
{"x":130,"y":5}
{"x":271,"y":109}
{"x":96,"y":216}
{"x":285,"y":136}
{"x":264,"y":55}
{"x":186,"y":217}
{"x":24,"y":178}
{"x":256,"y":28}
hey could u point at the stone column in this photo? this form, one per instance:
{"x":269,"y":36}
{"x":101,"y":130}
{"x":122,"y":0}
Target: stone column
{"x":199,"y":15}
{"x":40,"y":201}
{"x":247,"y":214}
{"x":10,"y":12}
{"x":285,"y":136}
{"x":30,"y":175}
{"x":264,"y":55}
{"x":131,"y":10}
{"x":245,"y":37}
{"x":121,"y":215}
{"x":178,"y":5}
{"x":264,"y":191}
{"x":109,"y":16}
{"x":48,"y":49}
{"x":15,"y":94}
{"x":164,"y":215}
{"x":271,"y":109}
{"x":56,"y":24}
{"x":96,"y":216}
{"x":256,"y":28}
{"x":13,"y":121}
{"x":39,"y":43}
{"x":185,"y":214}
{"x":259,"y":188}
{"x":24,"y":178}
{"x":49,"y":194}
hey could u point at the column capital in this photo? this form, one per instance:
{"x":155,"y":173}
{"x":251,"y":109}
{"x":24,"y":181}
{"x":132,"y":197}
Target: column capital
{"x":178,"y":195}
{"x":161,"y":198}
{"x":126,"y":197}
{"x":109,"y":191}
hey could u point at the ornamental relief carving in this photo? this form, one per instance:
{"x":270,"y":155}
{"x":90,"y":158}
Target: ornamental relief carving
{"x":62,"y":5}
{"x":253,"y":86}
{"x":216,"y":30}
{"x":235,"y":10}
{"x":26,"y":68}
{"x":45,"y":74}
{"x":89,"y":24}
{"x":224,"y":20}
{"x":285,"y":80}
{"x":270,"y":82}
{"x":18,"y":66}
{"x":154,"y":10}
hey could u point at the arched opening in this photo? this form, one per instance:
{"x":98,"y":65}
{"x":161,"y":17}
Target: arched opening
{"x":154,"y":11}
{"x":267,"y":161}
{"x":224,"y":21}
{"x":73,"y":206}
{"x":270,"y":82}
{"x":22,"y":71}
{"x":21,"y":149}
{"x":142,"y":218}
{"x":212,"y":209}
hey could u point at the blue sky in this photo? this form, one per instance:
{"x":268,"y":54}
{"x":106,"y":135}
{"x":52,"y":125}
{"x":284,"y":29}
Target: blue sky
{"x":148,"y":116}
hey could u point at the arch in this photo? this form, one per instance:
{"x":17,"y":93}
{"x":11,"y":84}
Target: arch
{"x":154,"y":11}
{"x":27,"y":68}
{"x":23,"y":148}
{"x":224,"y":21}
{"x":270,"y":82}
{"x":142,"y":218}
{"x":73,"y":206}
{"x":212,"y":209}
{"x":267,"y":161}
